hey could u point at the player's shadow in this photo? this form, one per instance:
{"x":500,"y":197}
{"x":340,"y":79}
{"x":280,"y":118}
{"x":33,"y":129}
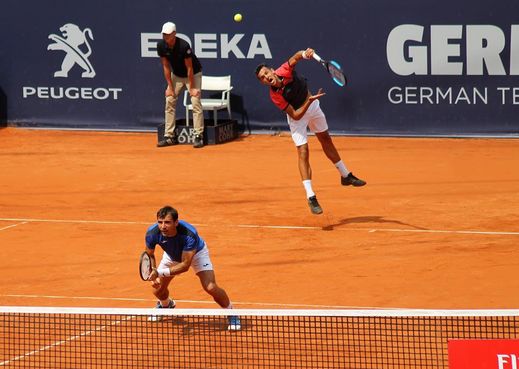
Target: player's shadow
{"x":189,"y":326}
{"x":369,"y":219}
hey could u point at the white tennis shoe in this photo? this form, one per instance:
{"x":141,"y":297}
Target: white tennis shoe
{"x":160,"y":318}
{"x":234,"y":323}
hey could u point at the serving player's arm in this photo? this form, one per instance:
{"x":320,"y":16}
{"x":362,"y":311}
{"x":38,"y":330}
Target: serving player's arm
{"x":301,"y":54}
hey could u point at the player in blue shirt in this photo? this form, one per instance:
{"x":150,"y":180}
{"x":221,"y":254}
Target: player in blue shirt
{"x":183,"y":248}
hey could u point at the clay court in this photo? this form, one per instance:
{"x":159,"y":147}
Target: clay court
{"x":436,"y":226}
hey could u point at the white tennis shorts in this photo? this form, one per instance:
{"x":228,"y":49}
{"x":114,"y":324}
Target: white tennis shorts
{"x":201,"y":261}
{"x":313,"y":119}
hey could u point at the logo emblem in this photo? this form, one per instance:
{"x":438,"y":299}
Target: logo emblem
{"x":70,"y":41}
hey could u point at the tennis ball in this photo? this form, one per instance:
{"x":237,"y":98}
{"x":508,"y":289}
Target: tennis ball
{"x":237,"y":17}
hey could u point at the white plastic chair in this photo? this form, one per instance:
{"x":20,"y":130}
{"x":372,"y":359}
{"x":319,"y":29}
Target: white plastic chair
{"x":212,"y":83}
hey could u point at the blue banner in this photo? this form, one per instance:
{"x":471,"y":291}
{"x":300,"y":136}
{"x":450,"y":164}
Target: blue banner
{"x":426,"y":68}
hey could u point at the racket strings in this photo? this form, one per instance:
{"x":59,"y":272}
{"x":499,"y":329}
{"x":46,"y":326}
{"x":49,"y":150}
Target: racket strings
{"x":145,"y":266}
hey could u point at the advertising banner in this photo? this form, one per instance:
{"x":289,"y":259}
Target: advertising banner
{"x":426,"y":68}
{"x":483,"y":354}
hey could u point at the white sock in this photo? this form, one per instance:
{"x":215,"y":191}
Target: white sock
{"x":342,"y":168}
{"x":307,"y":183}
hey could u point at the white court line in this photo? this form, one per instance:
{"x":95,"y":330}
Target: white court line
{"x":273,"y":226}
{"x":311,"y":228}
{"x":70,"y":221}
{"x":439,"y":231}
{"x":236,"y":303}
{"x":13,"y":225}
{"x":62,"y":342}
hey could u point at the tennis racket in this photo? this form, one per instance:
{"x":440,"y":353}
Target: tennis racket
{"x":334,"y":69}
{"x":146,"y":265}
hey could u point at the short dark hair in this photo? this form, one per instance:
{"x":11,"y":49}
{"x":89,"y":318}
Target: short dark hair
{"x":167,"y":210}
{"x":258,"y":68}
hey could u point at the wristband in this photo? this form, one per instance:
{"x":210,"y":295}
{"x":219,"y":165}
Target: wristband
{"x":164,"y":272}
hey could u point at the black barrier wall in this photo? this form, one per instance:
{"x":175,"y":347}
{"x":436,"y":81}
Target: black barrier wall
{"x":414,"y":68}
{"x":3,"y":108}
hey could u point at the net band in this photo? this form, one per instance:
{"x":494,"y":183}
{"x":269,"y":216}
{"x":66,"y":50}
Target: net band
{"x":42,"y":337}
{"x":266,"y":312}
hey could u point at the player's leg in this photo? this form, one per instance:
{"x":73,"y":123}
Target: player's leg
{"x":298,"y":129}
{"x":208,"y":281}
{"x":328,"y":147}
{"x":161,"y":292}
{"x":203,"y":268}
{"x":303,"y":162}
{"x":161,"y":284}
{"x":319,"y":126}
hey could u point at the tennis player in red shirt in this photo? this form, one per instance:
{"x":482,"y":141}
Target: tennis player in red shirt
{"x":289,"y":92}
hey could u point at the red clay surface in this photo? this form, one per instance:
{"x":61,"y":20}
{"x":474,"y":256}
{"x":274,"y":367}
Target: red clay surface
{"x":436,"y":226}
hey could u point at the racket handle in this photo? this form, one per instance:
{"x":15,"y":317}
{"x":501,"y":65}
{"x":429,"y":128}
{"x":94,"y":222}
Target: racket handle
{"x":317,"y":57}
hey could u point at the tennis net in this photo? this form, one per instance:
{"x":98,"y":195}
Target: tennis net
{"x":43,"y":337}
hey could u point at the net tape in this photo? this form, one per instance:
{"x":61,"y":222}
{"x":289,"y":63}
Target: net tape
{"x":35,"y":337}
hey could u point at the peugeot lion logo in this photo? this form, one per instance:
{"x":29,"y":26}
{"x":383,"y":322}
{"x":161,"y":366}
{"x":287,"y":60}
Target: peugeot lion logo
{"x":72,"y":39}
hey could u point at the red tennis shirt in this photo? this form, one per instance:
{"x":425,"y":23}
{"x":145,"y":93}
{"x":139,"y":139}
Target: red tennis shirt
{"x":293,"y":91}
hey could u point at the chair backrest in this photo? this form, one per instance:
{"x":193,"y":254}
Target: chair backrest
{"x":216,"y":83}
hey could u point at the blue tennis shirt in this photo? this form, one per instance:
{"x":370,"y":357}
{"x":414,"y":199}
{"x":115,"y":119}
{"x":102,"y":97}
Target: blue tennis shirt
{"x":187,"y":239}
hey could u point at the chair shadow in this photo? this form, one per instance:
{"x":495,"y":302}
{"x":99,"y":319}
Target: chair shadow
{"x":368,"y":219}
{"x":238,"y":107}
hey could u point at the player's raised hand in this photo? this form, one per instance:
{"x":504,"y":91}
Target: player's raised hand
{"x":319,"y":94}
{"x":308,"y":53}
